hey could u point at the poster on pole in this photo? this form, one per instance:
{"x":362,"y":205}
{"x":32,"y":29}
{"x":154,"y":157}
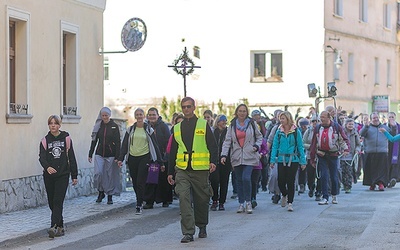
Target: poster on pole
{"x":380,"y":103}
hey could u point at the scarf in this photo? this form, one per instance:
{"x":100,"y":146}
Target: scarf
{"x":97,"y":124}
{"x":395,"y":151}
{"x":242,"y":128}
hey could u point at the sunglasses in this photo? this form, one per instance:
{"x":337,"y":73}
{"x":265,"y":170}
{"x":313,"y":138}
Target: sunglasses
{"x":186,"y":106}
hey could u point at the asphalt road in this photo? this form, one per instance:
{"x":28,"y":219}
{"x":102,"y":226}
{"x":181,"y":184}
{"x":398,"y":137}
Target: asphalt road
{"x":362,"y":220}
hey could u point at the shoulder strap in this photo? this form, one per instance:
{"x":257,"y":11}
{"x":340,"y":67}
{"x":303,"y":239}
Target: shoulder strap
{"x":67,"y":142}
{"x":254,"y":130}
{"x":44,"y":143}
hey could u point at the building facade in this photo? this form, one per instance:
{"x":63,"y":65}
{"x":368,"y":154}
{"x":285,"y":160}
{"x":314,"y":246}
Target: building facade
{"x":50,"y":65}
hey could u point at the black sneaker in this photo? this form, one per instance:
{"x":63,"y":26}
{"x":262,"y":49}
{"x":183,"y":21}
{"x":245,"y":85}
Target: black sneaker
{"x":276,"y":198}
{"x":139,"y":210}
{"x":187,"y":238}
{"x":165,"y":204}
{"x":202,"y":232}
{"x":254,"y":203}
{"x":148,"y":206}
{"x":311,"y":193}
{"x":221,"y":207}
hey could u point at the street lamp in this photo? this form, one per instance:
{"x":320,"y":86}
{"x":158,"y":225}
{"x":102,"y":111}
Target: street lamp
{"x":339,"y":61}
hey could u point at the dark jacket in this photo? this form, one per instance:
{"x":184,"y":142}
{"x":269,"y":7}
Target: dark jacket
{"x":155,"y":154}
{"x":220,"y":138}
{"x":55,"y":156}
{"x":187,"y":131}
{"x":107,"y":139}
{"x":162,"y":134}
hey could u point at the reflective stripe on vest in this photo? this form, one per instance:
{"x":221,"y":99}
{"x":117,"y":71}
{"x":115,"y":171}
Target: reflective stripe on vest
{"x":200,"y":154}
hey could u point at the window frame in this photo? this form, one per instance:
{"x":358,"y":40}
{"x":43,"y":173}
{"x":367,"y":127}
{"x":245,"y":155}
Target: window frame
{"x":69,"y":75}
{"x":350,"y":68}
{"x":364,"y":11}
{"x":268,"y":66}
{"x":376,"y":71}
{"x":387,"y":16}
{"x":338,"y":8}
{"x":388,"y":69}
{"x":18,"y":81}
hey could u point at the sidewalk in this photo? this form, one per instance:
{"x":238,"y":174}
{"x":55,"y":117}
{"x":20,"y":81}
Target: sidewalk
{"x":14,"y":225}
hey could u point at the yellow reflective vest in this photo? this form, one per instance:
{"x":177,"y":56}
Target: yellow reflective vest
{"x":200,"y":154}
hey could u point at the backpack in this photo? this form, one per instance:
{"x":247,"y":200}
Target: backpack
{"x":67,"y":141}
{"x":336,"y":128}
{"x":295,"y":139}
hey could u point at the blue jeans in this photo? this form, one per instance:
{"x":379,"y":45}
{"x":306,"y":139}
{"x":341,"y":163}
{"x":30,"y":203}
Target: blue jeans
{"x":243,"y":182}
{"x":328,"y":165}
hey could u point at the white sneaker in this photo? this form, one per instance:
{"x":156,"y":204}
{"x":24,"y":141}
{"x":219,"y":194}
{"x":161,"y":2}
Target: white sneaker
{"x":240,"y":209}
{"x":249,"y":209}
{"x":284,"y":201}
{"x":290,"y":207}
{"x":323,"y":202}
{"x":334,"y":199}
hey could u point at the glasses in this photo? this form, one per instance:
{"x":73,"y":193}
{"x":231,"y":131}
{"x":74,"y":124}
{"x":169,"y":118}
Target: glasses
{"x":186,"y":106}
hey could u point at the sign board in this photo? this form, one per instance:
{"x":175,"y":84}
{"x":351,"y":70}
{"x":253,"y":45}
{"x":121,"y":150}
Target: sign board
{"x":133,"y":34}
{"x":380,"y":103}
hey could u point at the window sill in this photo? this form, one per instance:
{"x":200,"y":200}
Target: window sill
{"x":266,"y":80}
{"x":71,"y":119}
{"x":18,"y":119}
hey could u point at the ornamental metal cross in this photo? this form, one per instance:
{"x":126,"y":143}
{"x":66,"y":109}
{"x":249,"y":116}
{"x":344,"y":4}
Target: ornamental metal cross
{"x":181,"y":64}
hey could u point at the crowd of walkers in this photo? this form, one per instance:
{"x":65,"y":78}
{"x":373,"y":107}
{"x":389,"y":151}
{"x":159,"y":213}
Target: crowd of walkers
{"x":194,"y":158}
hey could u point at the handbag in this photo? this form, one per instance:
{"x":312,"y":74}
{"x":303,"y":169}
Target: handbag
{"x":152,"y":175}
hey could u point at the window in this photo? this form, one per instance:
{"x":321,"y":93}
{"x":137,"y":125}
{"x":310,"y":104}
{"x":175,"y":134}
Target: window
{"x":196,"y":52}
{"x":69,"y":71}
{"x":376,"y":70}
{"x":338,"y":7}
{"x":351,"y":68}
{"x":386,"y":16}
{"x":388,"y":83}
{"x":266,"y":66}
{"x":364,"y":11}
{"x":106,"y":69}
{"x":18,"y":43}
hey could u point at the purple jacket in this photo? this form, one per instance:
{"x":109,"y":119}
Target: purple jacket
{"x":263,"y":151}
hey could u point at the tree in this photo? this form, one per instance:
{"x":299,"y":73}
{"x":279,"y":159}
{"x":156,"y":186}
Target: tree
{"x":164,"y":108}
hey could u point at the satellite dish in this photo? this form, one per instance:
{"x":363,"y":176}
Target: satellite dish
{"x":133,"y":34}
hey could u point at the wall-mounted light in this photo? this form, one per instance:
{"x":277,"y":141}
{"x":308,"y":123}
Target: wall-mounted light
{"x":339,"y":61}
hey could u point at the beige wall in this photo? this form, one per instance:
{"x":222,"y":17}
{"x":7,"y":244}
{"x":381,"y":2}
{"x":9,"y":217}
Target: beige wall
{"x":20,"y":142}
{"x":366,"y":41}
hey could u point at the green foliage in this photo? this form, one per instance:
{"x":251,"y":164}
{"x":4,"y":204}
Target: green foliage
{"x":164,"y":108}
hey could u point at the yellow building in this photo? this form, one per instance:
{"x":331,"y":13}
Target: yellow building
{"x":50,"y":65}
